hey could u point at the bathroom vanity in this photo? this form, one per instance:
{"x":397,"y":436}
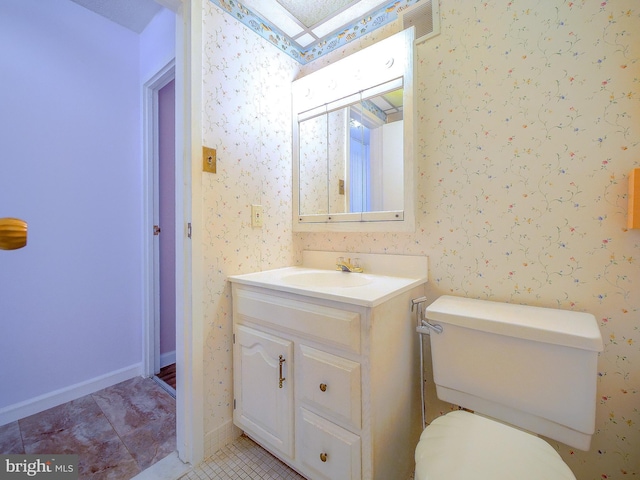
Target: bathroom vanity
{"x":326,"y":364}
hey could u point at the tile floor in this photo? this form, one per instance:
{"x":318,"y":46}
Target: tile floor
{"x":116,"y":432}
{"x":122,"y":430}
{"x":243,"y":459}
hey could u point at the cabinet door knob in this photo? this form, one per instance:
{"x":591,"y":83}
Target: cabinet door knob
{"x":323,"y":387}
{"x":323,"y":457}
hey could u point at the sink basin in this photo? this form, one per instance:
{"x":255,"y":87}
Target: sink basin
{"x":327,"y":278}
{"x":386,"y":277}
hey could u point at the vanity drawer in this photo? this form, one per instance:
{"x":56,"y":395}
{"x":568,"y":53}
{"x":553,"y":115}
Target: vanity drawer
{"x":327,"y":450}
{"x":334,"y":326}
{"x":330,"y":383}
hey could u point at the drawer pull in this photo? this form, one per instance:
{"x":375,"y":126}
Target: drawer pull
{"x":281,"y":360}
{"x":323,"y":457}
{"x":323,"y":387}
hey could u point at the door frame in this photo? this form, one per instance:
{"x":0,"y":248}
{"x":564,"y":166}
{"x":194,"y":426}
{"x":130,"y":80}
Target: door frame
{"x":151,"y":200}
{"x":189,"y":250}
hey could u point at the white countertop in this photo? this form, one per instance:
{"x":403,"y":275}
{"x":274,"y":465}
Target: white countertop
{"x":377,"y":290}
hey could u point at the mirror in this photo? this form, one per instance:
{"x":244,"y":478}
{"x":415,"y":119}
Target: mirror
{"x":362,"y":145}
{"x":314,"y":198}
{"x":353,"y":166}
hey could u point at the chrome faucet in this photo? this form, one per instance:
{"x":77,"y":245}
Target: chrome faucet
{"x":347,"y":266}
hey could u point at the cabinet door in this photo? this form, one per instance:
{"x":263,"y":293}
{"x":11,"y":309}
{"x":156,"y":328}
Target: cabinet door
{"x":263,"y":388}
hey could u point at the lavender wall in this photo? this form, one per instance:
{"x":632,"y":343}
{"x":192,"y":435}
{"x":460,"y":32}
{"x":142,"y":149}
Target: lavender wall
{"x":167,"y":140}
{"x":157,"y":44}
{"x":70,"y":147}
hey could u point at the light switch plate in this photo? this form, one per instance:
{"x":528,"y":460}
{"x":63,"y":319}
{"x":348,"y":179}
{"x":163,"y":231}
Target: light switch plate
{"x":208,"y":159}
{"x":256,"y":216}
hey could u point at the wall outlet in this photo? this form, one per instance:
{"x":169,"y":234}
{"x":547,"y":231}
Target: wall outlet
{"x":256,"y":216}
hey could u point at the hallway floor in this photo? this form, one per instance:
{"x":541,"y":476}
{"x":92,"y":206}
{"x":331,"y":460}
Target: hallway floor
{"x":116,"y":432}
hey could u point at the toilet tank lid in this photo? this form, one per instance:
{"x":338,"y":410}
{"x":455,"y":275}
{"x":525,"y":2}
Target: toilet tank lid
{"x":549,"y":325}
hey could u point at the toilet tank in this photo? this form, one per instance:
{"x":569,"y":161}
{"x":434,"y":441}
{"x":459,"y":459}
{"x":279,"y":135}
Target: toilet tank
{"x":532,"y":367}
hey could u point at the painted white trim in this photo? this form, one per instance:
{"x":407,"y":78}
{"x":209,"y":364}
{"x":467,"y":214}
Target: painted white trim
{"x":189,"y":346}
{"x":189,"y":275}
{"x":38,"y":404}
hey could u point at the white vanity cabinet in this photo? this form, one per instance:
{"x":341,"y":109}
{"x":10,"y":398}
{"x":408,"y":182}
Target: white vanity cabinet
{"x":329,"y":387}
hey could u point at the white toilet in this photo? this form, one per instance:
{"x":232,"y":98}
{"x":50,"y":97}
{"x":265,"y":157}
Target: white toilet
{"x":520,"y":369}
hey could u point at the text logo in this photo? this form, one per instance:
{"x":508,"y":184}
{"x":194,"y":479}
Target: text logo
{"x":44,"y":467}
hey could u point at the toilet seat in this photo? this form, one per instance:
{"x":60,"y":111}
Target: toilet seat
{"x":462,"y":446}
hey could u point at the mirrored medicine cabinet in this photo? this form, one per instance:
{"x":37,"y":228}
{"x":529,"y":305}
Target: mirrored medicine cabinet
{"x":353,"y":166}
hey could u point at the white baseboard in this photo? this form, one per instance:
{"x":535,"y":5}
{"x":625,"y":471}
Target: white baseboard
{"x":167,"y":358}
{"x":220,"y":437}
{"x":38,"y":404}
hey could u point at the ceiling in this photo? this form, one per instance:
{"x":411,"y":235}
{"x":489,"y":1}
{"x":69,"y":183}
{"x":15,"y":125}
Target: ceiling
{"x":304,"y":29}
{"x":132,"y":14}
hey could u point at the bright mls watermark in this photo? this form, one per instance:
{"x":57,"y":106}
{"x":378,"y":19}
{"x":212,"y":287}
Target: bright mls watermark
{"x":48,"y":467}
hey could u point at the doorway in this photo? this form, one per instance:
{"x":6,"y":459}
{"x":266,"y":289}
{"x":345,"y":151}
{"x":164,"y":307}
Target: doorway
{"x":165,"y":275}
{"x":160,"y":144}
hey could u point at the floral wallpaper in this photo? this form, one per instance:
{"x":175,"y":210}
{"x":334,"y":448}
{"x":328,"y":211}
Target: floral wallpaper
{"x":247,"y":117}
{"x":528,"y":125}
{"x":534,"y":112}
